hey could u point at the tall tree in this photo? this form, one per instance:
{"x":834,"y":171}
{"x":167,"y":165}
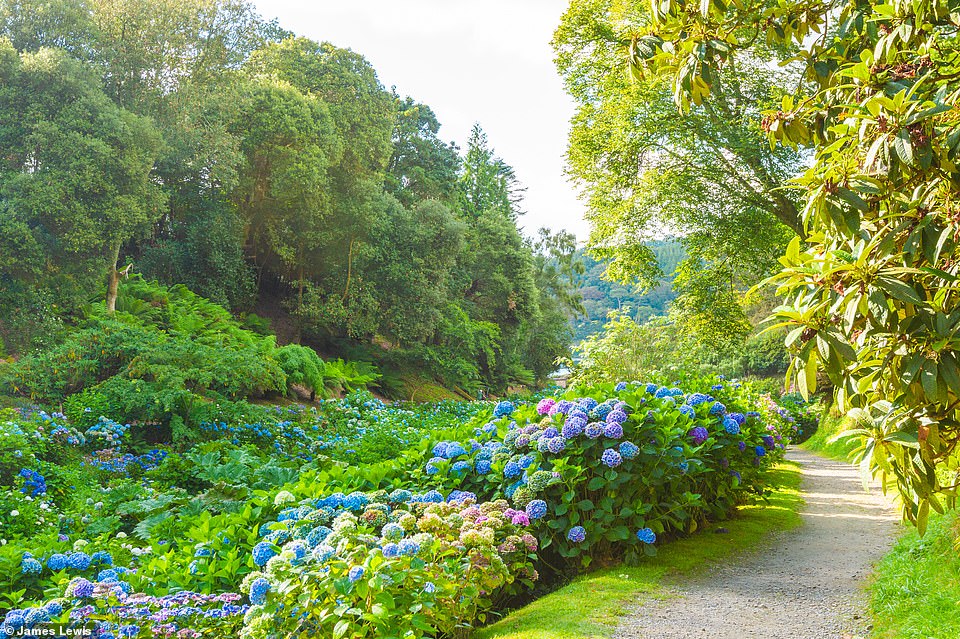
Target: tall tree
{"x":708,"y":175}
{"x":872,"y":294}
{"x":76,"y":172}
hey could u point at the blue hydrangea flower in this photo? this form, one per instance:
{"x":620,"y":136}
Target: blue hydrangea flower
{"x":601,"y":411}
{"x":323,"y":553}
{"x":651,"y":388}
{"x":355,"y":574}
{"x":646,"y":535}
{"x":202,"y":551}
{"x":408,"y":547}
{"x":461,"y":467}
{"x":613,"y":431}
{"x":525,"y":461}
{"x":14,"y":619}
{"x":611,"y":458}
{"x":503,"y":408}
{"x":30,"y":566}
{"x":483,"y":467}
{"x":107,"y":573}
{"x":740,"y":418}
{"x":698,"y":434}
{"x":511,"y":470}
{"x":429,"y":587}
{"x":629,"y":450}
{"x":587,"y":404}
{"x":53,"y":608}
{"x":258,"y":591}
{"x":683,"y":466}
{"x":536,"y":509}
{"x":400,"y":496}
{"x":718,"y":409}
{"x":577,"y":534}
{"x":392,"y":532}
{"x":716,"y":387}
{"x":698,"y":398}
{"x":594,"y":430}
{"x":78,"y":560}
{"x":731,"y":426}
{"x":262,"y":553}
{"x":36,"y":616}
{"x":760,"y":451}
{"x":686,"y":409}
{"x":356,"y":501}
{"x":391,"y":550}
{"x":621,"y":386}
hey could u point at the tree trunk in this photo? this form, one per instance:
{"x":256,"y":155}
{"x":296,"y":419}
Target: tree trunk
{"x":113,"y":280}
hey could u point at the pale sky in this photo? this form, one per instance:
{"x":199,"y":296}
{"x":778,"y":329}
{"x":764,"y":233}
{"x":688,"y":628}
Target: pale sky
{"x":488,"y":62}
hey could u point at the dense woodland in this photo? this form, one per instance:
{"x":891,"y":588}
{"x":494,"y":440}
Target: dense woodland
{"x":601,"y":296}
{"x":199,"y":143}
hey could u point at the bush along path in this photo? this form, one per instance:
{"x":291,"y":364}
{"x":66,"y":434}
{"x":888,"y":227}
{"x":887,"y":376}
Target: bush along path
{"x":806,"y":583}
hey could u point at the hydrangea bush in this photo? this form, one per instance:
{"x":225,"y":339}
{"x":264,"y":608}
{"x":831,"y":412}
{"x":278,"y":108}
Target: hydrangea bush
{"x":273,"y":528}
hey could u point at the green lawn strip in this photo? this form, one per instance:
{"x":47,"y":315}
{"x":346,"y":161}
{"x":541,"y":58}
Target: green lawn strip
{"x":590,"y":606}
{"x":915,"y":593}
{"x":819,"y":442}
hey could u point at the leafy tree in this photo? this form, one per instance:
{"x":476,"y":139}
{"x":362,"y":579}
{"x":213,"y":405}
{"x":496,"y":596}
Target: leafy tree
{"x":422,"y":166}
{"x":707,"y":174}
{"x":75,"y":181}
{"x":871,"y":296}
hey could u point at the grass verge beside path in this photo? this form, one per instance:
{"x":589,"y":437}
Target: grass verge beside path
{"x":820,"y":442}
{"x":590,"y":606}
{"x":915,"y":591}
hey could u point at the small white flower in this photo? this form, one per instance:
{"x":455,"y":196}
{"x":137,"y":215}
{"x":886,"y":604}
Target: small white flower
{"x":14,"y":513}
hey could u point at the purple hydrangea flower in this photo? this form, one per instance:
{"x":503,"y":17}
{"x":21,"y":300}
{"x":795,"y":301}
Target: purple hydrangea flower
{"x":613,"y":431}
{"x":616,"y":417}
{"x":573,"y":428}
{"x":742,"y":445}
{"x":556,"y":445}
{"x":699,"y":435}
{"x":577,"y":534}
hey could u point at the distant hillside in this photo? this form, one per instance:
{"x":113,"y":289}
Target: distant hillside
{"x":600,"y":296}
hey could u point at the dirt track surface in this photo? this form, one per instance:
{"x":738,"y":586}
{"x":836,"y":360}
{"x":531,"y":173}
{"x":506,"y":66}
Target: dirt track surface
{"x":805,"y":584}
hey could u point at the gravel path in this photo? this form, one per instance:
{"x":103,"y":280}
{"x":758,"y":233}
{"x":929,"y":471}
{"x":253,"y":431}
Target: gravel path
{"x":806,"y":585}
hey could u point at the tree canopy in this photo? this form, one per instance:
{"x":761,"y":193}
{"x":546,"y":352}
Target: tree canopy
{"x":209,"y":147}
{"x":871,"y":292}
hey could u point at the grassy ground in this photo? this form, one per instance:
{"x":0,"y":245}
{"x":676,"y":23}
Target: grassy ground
{"x":590,"y":606}
{"x":916,"y":588}
{"x":820,"y":441}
